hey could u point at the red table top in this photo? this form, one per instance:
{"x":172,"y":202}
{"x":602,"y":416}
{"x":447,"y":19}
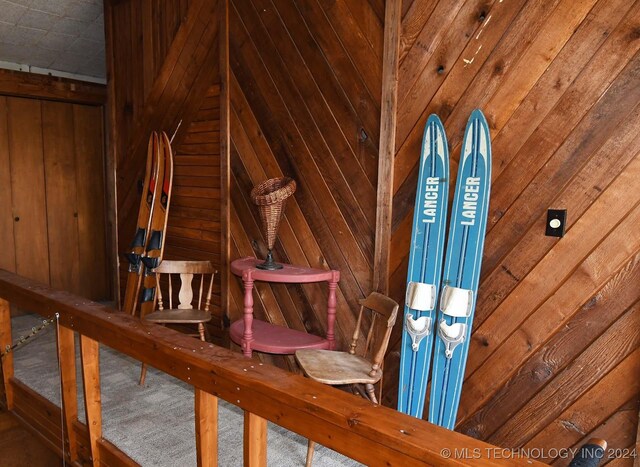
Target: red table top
{"x":246,"y":268}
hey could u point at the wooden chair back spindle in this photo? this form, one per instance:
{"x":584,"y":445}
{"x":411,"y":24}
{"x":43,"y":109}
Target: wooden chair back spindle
{"x":356,"y":333}
{"x":200,"y":291}
{"x":207,"y":302}
{"x":160,"y":303}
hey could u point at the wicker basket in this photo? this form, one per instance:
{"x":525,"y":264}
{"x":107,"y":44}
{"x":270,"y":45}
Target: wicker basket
{"x":270,"y":196}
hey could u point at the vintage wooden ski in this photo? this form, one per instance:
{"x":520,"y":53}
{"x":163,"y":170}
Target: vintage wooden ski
{"x":461,"y":275}
{"x":425,"y":268}
{"x":155,"y":246}
{"x":137,"y":247}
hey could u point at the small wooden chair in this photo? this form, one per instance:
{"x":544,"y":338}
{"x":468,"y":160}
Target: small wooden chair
{"x":188,"y":311}
{"x":364,"y":367}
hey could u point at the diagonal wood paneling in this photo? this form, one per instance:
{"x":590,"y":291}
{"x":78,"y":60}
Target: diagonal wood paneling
{"x":556,"y":321}
{"x":141,"y":35}
{"x":183,"y":79}
{"x":166,"y":72}
{"x":305,"y":103}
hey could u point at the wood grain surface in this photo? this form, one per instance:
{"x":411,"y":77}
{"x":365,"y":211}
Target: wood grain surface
{"x":558,"y":82}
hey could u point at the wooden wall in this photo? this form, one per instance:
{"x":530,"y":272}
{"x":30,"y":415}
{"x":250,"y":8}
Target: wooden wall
{"x":305,"y":100}
{"x":144,"y":32}
{"x":164,"y":74}
{"x":554,"y":356}
{"x":555,"y":351}
{"x":53,"y":226}
{"x":194,"y":225}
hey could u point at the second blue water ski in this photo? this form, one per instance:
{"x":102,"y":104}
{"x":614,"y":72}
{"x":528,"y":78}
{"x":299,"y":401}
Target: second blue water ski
{"x":461,"y":274}
{"x":425,"y":268}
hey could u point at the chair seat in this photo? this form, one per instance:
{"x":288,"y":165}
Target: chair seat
{"x":179,"y":316}
{"x":331,"y":367}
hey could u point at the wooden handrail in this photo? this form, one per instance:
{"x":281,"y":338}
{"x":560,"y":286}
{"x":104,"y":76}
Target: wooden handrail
{"x":351,"y":425}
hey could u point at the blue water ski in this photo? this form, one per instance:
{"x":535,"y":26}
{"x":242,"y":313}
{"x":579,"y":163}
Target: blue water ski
{"x":461,"y":271}
{"x":425,"y":268}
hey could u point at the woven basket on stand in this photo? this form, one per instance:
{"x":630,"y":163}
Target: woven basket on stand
{"x":271,"y":196}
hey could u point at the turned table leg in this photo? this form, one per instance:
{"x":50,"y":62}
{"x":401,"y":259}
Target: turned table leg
{"x":247,"y":337}
{"x":331,"y":311}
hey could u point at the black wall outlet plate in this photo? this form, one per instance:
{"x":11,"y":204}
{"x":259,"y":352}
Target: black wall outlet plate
{"x":556,"y":222}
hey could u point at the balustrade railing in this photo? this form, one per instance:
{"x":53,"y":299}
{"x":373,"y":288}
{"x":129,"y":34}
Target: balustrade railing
{"x":373,"y":435}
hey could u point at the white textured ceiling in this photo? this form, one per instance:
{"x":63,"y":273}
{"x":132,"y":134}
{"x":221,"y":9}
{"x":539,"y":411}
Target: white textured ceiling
{"x":54,"y":35}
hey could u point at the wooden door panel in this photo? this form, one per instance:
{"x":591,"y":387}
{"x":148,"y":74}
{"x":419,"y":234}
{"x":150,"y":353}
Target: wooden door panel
{"x":7,"y":255}
{"x":60,"y":177}
{"x":28,"y":188}
{"x":52,"y":192}
{"x":88,"y":135}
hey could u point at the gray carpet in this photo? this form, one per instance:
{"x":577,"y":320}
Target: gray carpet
{"x":154,"y":425}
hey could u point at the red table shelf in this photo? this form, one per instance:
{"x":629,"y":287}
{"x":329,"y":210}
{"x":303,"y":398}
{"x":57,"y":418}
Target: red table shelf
{"x":253,"y":334}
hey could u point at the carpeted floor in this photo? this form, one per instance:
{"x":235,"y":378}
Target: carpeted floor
{"x":154,"y":424}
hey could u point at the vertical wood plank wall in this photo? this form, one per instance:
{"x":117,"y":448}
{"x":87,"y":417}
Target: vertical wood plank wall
{"x":555,"y":351}
{"x":52,"y":199}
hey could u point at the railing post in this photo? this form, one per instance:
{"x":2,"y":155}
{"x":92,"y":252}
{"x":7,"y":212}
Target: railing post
{"x":89,"y":350}
{"x":206,"y":408}
{"x":255,"y":440}
{"x":7,"y":360}
{"x":67,"y":359}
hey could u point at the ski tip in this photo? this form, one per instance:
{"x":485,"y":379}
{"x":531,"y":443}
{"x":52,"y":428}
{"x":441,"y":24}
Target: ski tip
{"x":165,"y":140}
{"x":434,"y":121}
{"x":434,"y":133}
{"x":478,"y":120}
{"x":478,"y":115}
{"x":434,"y":118}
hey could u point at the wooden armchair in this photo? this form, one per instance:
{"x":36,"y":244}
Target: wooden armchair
{"x":188,"y":310}
{"x":357,"y":368}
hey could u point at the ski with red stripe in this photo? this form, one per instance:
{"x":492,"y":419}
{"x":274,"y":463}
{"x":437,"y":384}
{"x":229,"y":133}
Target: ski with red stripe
{"x":157,"y":236}
{"x":138,"y":244}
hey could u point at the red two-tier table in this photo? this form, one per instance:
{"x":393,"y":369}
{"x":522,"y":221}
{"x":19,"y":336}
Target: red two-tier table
{"x":253,"y":334}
